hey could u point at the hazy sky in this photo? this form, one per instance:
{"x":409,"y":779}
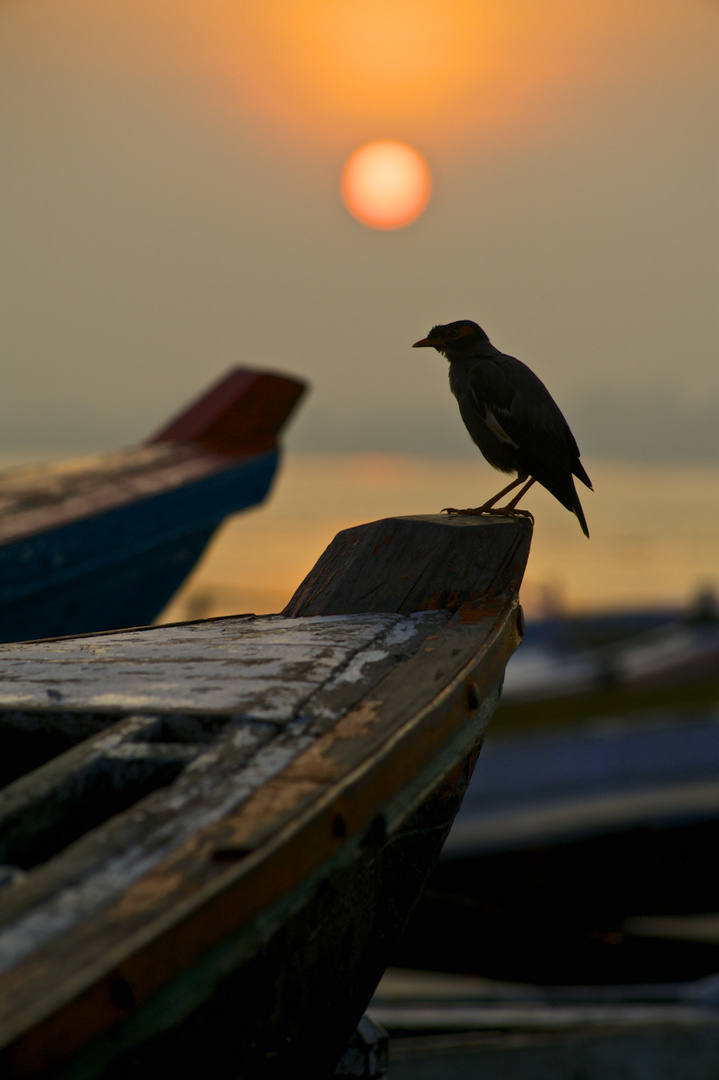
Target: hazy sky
{"x":169,"y":206}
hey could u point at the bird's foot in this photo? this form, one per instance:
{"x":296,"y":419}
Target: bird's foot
{"x":495,"y":511}
{"x":511,"y":511}
{"x":469,"y":512}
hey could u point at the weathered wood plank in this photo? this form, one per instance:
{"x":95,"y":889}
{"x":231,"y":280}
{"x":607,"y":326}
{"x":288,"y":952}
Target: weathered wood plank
{"x":105,"y":773}
{"x":261,"y":668}
{"x":408,"y":564}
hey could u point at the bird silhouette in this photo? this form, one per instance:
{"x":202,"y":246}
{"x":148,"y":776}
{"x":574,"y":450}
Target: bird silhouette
{"x":511,"y":416}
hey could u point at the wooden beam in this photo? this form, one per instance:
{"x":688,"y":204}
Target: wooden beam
{"x":417,"y":563}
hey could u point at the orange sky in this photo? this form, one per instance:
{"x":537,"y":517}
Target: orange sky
{"x":332,"y":73}
{"x":439,"y":71}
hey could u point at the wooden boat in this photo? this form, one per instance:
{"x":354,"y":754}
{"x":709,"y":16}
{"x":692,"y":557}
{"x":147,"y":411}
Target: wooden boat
{"x":235,"y":817}
{"x":105,"y":541}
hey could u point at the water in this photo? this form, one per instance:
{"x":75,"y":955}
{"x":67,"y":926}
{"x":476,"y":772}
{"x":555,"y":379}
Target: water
{"x":654,"y":532}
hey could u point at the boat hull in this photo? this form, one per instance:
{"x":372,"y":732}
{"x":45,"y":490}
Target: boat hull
{"x":105,"y":541}
{"x":121,"y":567}
{"x":296,"y":1000}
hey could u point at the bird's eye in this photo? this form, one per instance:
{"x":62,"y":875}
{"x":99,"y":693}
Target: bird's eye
{"x":451,"y":334}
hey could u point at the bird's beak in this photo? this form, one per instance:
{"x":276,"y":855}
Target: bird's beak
{"x":428,"y":342}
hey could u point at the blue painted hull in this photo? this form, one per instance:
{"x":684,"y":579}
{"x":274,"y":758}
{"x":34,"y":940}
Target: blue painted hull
{"x":120,"y":567}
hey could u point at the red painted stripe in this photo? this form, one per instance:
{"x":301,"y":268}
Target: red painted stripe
{"x":242,"y":414}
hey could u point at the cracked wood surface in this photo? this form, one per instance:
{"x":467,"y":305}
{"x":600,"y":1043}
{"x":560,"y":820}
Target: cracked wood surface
{"x":257,"y":667}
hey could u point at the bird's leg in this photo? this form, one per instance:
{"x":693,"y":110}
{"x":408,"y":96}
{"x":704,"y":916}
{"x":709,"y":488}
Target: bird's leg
{"x":511,"y":505}
{"x":510,"y":509}
{"x":486,"y":508}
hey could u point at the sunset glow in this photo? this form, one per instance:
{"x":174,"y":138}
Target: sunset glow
{"x":386,"y":184}
{"x":451,"y":74}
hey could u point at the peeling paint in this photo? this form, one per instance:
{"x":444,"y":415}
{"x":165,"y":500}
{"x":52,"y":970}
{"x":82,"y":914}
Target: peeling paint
{"x":355,"y":669}
{"x":359,"y":721}
{"x":262,"y":667}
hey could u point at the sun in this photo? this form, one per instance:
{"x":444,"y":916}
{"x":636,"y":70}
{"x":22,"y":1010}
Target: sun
{"x":386,"y":184}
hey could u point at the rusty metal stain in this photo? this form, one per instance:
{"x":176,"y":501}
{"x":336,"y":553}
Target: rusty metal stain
{"x":476,"y":610}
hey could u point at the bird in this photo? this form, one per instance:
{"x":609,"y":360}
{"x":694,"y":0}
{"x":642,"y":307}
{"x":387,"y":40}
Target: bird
{"x":511,"y":417}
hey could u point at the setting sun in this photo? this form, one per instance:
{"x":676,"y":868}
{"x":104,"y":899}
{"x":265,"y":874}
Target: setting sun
{"x":386,"y":184}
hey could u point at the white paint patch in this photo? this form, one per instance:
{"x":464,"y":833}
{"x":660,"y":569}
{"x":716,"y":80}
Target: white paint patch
{"x":355,"y":669}
{"x":419,"y":622}
{"x":262,"y":667}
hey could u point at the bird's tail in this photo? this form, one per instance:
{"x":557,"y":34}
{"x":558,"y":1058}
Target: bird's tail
{"x":581,"y":474}
{"x":577,"y":508}
{"x":566,"y":493}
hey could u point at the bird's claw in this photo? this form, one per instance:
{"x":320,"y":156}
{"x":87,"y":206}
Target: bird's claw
{"x":480,"y":511}
{"x":511,"y":511}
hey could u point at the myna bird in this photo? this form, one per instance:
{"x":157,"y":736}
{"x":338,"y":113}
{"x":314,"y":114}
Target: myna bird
{"x":511,"y":416}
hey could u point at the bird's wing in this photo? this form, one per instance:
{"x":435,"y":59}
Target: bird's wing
{"x":493,"y":393}
{"x":518,"y":409}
